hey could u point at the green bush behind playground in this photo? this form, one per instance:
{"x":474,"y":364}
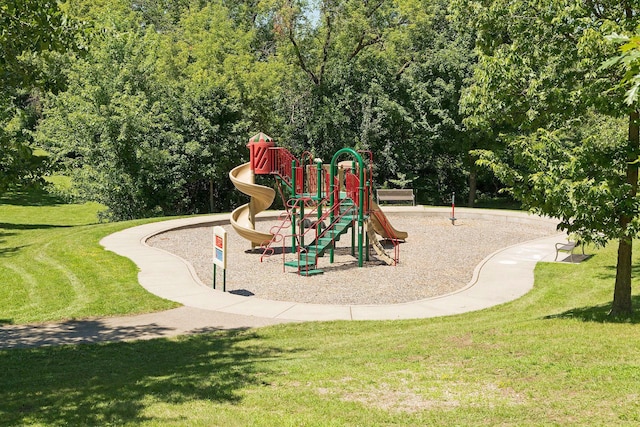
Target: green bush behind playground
{"x":551,"y":357}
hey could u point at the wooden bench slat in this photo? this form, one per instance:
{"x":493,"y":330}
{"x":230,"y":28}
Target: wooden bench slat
{"x":396,"y":195}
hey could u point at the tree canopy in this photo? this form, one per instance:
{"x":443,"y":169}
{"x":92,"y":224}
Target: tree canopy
{"x":569,"y":139}
{"x":33,"y":36}
{"x":166,"y":93}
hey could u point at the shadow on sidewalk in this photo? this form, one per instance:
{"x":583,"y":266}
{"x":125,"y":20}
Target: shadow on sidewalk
{"x":80,"y":332}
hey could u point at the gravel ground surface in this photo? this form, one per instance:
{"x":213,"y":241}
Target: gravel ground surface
{"x":437,"y":258}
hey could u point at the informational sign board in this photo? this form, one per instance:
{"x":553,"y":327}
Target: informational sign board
{"x":220,"y":246}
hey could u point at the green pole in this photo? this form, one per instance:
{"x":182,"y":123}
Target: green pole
{"x":214,"y":276}
{"x":302,"y":230}
{"x":319,"y":196}
{"x":333,"y":169}
{"x":360,"y":219}
{"x":366,"y":245}
{"x":353,"y":221}
{"x":353,"y":238}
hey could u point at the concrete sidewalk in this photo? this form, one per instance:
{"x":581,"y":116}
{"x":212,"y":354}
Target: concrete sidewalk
{"x":501,"y":277}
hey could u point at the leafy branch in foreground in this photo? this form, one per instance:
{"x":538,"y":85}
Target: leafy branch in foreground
{"x":570,"y":139}
{"x":629,"y":59}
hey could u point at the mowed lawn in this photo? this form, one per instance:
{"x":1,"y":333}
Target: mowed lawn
{"x":53,"y":268}
{"x":549,"y":358}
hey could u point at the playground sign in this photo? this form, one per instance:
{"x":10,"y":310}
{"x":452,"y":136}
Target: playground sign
{"x":220,"y":254}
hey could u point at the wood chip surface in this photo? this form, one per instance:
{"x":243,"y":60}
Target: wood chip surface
{"x":437,"y":258}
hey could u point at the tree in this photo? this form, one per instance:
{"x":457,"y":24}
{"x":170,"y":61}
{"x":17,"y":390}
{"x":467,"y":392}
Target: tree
{"x":109,"y":130}
{"x":33,"y":33}
{"x":380,"y":76}
{"x":433,"y":84}
{"x":152,"y":121}
{"x":539,"y":81}
{"x":336,"y":59}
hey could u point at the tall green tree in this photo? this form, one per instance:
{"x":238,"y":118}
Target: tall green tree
{"x":432,"y":86}
{"x":33,"y":34}
{"x":382,"y":76}
{"x":111,"y":131}
{"x":157,"y":112}
{"x":539,"y":82}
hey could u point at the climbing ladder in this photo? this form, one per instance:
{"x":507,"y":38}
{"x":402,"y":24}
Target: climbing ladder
{"x":308,"y":254}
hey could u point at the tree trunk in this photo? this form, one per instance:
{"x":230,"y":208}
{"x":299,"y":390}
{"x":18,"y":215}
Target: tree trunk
{"x":211,"y":195}
{"x":473,"y":186}
{"x":622,"y":292}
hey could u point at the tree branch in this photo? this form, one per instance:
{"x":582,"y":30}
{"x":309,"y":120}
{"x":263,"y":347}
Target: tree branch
{"x":361,"y":42}
{"x":301,"y":61}
{"x":403,"y":68}
{"x":325,"y":48}
{"x":374,"y":8}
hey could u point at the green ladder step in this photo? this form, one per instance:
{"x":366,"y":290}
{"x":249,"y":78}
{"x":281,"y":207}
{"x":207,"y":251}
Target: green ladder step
{"x":313,"y":272}
{"x":317,"y":251}
{"x":324,"y":241}
{"x":302,"y":263}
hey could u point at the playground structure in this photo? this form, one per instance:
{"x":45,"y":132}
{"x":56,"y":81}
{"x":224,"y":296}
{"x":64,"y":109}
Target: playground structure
{"x":323,"y":202}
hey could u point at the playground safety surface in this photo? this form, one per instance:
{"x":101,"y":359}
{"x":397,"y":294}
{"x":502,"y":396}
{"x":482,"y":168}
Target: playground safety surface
{"x":500,"y":277}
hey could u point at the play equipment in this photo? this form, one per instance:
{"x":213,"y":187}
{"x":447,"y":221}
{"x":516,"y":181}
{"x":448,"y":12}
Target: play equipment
{"x":323,"y":202}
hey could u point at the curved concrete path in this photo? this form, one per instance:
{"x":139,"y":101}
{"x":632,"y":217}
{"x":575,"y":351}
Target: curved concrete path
{"x":501,"y":277}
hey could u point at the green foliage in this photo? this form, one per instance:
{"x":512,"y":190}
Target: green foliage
{"x":382,"y":77}
{"x":538,"y":63}
{"x":150,"y":123}
{"x":629,"y":60}
{"x":109,"y":128}
{"x":33,"y":34}
{"x":171,"y":90}
{"x":576,"y":173}
{"x":540,"y":67}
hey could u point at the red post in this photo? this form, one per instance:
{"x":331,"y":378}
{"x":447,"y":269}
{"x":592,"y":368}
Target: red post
{"x":453,"y":209}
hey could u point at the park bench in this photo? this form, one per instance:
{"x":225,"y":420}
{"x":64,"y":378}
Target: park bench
{"x":568,"y":246}
{"x":396,"y":195}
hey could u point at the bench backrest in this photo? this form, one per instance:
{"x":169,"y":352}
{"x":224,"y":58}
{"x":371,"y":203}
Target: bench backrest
{"x":395,"y":194}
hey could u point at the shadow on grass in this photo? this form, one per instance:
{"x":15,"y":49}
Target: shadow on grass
{"x":36,"y":196}
{"x":7,"y":252}
{"x":599,"y":314}
{"x":114,"y":384}
{"x":8,"y":226}
{"x":609,"y":272}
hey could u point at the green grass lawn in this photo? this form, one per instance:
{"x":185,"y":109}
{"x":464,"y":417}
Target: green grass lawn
{"x":52,"y":267}
{"x":549,"y":358}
